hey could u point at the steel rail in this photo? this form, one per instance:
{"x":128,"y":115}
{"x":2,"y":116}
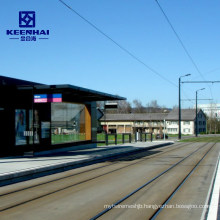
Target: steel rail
{"x":179,"y":186}
{"x":144,"y":185}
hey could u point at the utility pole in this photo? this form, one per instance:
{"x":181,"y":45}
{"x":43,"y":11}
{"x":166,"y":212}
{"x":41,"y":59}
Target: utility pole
{"x":180,"y":104}
{"x":212,"y":82}
{"x":164,"y":134}
{"x":179,"y":108}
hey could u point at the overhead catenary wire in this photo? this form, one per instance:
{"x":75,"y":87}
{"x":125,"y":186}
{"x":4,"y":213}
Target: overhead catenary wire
{"x":211,"y":71}
{"x":182,"y":44}
{"x":119,"y":45}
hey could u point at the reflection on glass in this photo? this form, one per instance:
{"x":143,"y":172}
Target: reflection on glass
{"x":31,"y":126}
{"x":36,"y":127}
{"x":36,"y":130}
{"x":20,"y":127}
{"x":67,"y":122}
{"x":45,"y":129}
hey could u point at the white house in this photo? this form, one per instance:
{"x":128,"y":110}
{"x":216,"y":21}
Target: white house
{"x":188,"y":121}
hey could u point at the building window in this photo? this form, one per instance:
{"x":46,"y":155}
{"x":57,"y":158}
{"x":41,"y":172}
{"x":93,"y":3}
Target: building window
{"x":172,"y":129}
{"x":173,"y":122}
{"x":186,"y":130}
{"x":112,"y":126}
{"x":68,"y":123}
{"x":186,"y":122}
{"x":127,"y":129}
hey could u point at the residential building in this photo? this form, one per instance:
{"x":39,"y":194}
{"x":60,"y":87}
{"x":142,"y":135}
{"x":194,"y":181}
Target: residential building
{"x":131,"y":123}
{"x":188,"y":121}
{"x":154,"y":122}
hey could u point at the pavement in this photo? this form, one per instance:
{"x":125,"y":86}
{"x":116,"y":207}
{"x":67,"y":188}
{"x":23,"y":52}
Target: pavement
{"x":21,"y":168}
{"x":214,"y":207}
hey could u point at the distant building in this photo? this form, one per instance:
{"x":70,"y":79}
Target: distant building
{"x":211,"y":110}
{"x":154,"y":122}
{"x":130,"y":123}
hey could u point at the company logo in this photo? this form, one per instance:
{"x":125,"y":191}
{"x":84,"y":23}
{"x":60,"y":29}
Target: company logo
{"x":27,"y":19}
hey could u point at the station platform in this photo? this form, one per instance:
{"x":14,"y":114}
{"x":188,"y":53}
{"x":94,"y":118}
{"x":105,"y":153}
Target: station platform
{"x":17,"y":169}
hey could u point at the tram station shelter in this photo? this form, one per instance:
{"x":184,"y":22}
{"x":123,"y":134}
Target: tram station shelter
{"x":35,"y":117}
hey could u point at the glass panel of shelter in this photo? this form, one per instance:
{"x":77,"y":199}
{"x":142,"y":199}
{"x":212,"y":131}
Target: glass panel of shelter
{"x":67,"y":122}
{"x":27,"y":132}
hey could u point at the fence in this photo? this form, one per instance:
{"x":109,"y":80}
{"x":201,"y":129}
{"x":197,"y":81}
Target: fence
{"x":123,"y":138}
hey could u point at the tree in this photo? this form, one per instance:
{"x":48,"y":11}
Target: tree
{"x":154,"y":104}
{"x":124,"y":107}
{"x":213,"y":124}
{"x":138,"y":107}
{"x":154,"y":107}
{"x":175,"y":107}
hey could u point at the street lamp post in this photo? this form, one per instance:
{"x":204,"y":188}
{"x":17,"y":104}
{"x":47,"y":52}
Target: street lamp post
{"x":164,"y":135}
{"x":180,"y":104}
{"x":196,"y":112}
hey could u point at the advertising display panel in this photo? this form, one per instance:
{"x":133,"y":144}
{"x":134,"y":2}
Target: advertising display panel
{"x":20,"y":127}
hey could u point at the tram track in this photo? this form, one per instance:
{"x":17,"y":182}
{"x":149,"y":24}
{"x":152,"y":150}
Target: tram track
{"x":154,"y":215}
{"x":12,"y":200}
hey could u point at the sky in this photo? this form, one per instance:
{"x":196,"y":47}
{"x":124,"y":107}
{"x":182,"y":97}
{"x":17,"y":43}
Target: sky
{"x":77,"y":54}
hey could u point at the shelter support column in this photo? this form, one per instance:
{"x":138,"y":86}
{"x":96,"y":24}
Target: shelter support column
{"x":93,"y":122}
{"x":88,"y":123}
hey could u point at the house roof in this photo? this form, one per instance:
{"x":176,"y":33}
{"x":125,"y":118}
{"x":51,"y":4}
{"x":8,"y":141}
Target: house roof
{"x":186,"y":115}
{"x":134,"y":117}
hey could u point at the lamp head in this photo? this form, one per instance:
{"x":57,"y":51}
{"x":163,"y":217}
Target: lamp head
{"x":185,"y":75}
{"x":200,"y":89}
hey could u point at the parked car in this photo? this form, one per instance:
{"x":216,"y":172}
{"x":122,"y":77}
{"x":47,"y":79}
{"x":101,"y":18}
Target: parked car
{"x":161,"y":136}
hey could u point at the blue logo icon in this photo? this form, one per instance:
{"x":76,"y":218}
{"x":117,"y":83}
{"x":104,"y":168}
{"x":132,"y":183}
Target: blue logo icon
{"x":27,"y":19}
{"x":27,"y":30}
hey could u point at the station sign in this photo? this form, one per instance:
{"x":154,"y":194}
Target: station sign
{"x":45,"y":98}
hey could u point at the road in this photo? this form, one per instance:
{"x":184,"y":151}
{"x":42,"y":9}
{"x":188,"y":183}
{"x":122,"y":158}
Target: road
{"x":150,"y":178}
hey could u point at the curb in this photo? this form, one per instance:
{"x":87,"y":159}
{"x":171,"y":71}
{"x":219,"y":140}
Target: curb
{"x":41,"y":171}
